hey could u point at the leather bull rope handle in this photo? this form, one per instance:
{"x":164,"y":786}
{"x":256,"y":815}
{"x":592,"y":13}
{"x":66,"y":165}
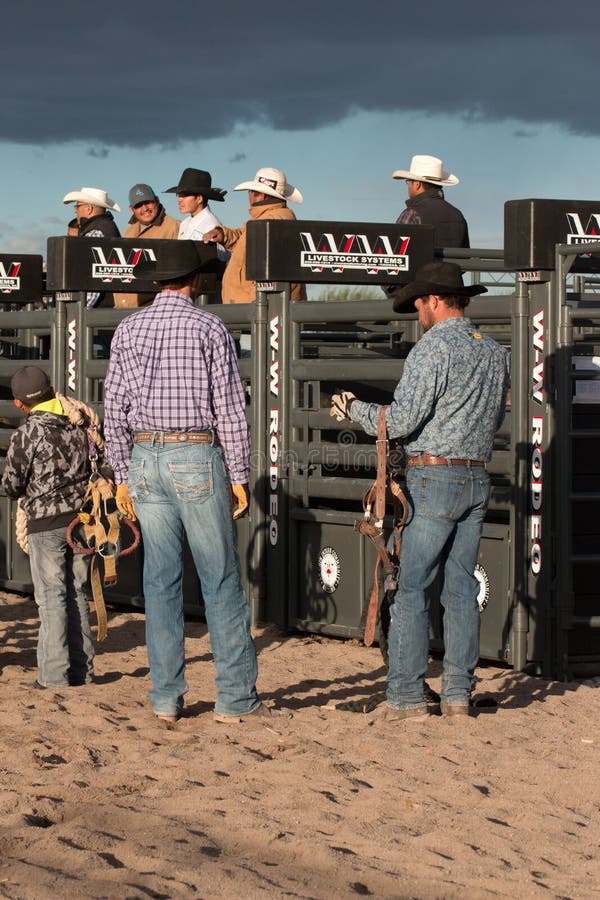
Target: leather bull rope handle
{"x":374,"y":501}
{"x":101,"y":542}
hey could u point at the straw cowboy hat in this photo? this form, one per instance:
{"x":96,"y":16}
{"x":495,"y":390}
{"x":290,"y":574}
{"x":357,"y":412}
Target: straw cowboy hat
{"x":442,"y":279}
{"x":94,"y":196}
{"x":196,"y":182}
{"x":427,"y":168}
{"x":271,"y":182}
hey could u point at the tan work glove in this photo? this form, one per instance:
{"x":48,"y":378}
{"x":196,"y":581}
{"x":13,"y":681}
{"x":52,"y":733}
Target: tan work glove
{"x":239,"y":499}
{"x":341,"y":403}
{"x":124,"y":502}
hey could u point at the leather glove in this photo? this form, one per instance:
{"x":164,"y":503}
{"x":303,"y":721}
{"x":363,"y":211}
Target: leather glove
{"x":124,"y":502}
{"x":239,"y":499}
{"x":341,"y":403}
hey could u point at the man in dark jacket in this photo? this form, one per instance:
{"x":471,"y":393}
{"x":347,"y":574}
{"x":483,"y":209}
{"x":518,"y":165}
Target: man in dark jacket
{"x":426,"y":204}
{"x":92,"y":207}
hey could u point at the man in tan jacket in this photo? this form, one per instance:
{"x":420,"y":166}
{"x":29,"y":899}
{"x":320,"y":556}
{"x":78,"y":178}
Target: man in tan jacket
{"x":268,"y":194}
{"x":148,"y":220}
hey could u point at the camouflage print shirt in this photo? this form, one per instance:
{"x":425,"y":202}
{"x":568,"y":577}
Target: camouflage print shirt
{"x":47,"y":464}
{"x":451,"y":398}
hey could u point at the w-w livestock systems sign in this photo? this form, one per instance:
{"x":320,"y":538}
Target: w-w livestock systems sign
{"x":304,"y":566}
{"x":20,"y":278}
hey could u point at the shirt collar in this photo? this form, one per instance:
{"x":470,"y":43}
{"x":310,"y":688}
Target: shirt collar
{"x":454,"y":320}
{"x":168,"y":296}
{"x":201,"y":212}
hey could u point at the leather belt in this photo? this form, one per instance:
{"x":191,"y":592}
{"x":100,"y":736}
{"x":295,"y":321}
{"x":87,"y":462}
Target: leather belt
{"x":177,"y":437}
{"x":424,"y":459}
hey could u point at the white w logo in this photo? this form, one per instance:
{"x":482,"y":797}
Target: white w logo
{"x":581,"y":235}
{"x":10,"y":281}
{"x":116,"y":265}
{"x":116,"y":256}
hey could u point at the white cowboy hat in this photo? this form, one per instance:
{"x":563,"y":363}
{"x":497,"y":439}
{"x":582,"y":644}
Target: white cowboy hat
{"x":94,"y":196}
{"x":271,"y":182}
{"x":427,"y":168}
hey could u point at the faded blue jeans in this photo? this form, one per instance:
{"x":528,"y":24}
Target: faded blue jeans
{"x":65,"y":650}
{"x":448,"y":505}
{"x":183,"y":490}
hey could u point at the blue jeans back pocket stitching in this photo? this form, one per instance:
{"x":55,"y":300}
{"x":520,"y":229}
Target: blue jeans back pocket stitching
{"x":198,"y":486}
{"x":136,"y":483}
{"x":429,"y":484}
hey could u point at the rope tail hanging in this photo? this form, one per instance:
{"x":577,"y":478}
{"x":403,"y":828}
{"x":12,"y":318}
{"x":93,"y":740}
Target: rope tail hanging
{"x":371,"y":525}
{"x":99,"y":516}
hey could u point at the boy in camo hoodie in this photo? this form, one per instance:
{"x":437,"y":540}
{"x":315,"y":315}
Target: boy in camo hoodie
{"x":47,"y":464}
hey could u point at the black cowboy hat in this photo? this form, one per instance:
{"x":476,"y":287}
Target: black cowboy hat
{"x":176,"y":259}
{"x":197,"y":181}
{"x":443,"y":279}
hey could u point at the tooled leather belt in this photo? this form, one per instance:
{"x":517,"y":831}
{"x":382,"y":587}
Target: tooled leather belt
{"x":176,"y":437}
{"x":424,"y":459}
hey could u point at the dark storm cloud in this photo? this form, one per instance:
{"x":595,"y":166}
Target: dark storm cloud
{"x":139,"y":73}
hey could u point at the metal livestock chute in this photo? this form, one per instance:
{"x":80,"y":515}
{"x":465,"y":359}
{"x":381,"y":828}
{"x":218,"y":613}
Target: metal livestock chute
{"x":304,"y":565}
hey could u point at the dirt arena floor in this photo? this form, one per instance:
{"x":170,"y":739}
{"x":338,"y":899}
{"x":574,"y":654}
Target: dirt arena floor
{"x":100,"y":800}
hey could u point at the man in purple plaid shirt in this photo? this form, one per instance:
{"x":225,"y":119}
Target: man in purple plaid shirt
{"x":177,"y":437}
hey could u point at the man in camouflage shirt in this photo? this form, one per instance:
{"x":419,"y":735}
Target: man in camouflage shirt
{"x":47,"y":464}
{"x":447,"y":407}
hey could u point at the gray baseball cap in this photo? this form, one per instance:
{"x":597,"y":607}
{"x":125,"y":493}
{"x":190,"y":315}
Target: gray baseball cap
{"x":141,"y":193}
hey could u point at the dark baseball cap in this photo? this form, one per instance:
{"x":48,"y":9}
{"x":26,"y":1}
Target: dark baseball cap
{"x":141,"y":193}
{"x":30,"y":385}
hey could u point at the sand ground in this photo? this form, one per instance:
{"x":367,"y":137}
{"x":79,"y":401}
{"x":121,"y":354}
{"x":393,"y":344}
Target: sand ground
{"x":100,"y":800}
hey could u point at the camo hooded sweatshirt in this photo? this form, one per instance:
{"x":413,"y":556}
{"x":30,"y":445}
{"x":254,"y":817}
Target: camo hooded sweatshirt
{"x":47,"y":464}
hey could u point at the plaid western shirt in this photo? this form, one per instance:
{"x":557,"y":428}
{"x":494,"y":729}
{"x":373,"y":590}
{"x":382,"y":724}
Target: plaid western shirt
{"x":173,"y":367}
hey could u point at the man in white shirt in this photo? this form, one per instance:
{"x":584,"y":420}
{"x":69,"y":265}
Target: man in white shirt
{"x":193,"y":193}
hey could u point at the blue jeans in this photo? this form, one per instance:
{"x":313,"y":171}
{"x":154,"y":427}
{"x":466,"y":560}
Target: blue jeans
{"x":183,"y":489}
{"x":448,"y":505}
{"x":65,"y":650}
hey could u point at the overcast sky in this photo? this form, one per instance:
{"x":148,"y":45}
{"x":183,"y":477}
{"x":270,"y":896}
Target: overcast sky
{"x":336,"y":94}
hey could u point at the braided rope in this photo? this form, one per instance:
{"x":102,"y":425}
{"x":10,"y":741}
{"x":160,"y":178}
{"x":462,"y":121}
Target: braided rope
{"x":21,"y":528}
{"x":78,"y":413}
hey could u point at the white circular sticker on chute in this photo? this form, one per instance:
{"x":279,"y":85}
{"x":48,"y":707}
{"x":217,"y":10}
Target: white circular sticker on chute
{"x":484,"y":587}
{"x":329,"y":569}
